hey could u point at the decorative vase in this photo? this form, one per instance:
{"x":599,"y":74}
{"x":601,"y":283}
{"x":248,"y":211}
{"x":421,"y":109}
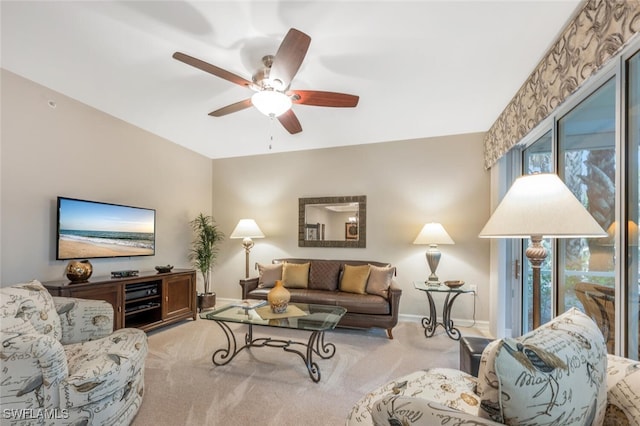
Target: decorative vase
{"x":278,"y":298}
{"x":79,"y":270}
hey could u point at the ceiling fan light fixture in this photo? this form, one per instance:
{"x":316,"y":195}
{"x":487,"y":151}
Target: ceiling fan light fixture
{"x":271,"y":103}
{"x":272,"y":81}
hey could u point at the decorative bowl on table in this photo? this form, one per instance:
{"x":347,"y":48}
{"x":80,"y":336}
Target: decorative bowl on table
{"x":454,"y":284}
{"x":164,"y":269}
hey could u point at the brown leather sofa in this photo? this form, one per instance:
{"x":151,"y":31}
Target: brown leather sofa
{"x":363,"y":310}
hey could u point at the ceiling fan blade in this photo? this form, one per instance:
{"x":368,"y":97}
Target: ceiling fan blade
{"x":211,"y":69}
{"x":290,"y":122}
{"x":289,"y":56}
{"x":238,"y":106}
{"x":324,"y":99}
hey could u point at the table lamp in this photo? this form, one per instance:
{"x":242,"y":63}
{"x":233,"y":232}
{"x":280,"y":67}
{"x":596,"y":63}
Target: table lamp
{"x":433,"y":234}
{"x":247,"y":229}
{"x":540,"y":206}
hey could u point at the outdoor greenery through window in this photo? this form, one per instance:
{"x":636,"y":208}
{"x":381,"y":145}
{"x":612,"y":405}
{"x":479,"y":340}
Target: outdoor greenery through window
{"x":584,"y":153}
{"x":587,"y":164}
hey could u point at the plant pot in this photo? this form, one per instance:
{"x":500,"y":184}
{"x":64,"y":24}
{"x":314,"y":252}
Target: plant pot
{"x":206,"y":301}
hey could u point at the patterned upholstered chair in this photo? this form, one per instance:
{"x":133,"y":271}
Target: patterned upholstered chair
{"x":599,"y":303}
{"x":556,"y":374}
{"x":61,"y":362}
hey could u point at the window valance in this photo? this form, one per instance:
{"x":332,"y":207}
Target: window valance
{"x":596,"y":34}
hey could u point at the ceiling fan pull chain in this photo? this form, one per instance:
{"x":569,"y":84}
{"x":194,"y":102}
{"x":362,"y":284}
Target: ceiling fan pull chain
{"x":271,"y":120}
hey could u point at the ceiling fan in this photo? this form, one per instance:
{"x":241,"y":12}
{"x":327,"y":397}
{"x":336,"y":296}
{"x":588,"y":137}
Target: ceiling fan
{"x":271,"y":84}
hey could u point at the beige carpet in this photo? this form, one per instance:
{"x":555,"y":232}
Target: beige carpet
{"x":267,"y":386}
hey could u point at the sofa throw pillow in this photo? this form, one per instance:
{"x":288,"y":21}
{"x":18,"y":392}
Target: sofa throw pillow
{"x":295,"y":275}
{"x":354,"y":279}
{"x":269,"y":274}
{"x":380,"y":280}
{"x":539,"y":374}
{"x":324,"y":275}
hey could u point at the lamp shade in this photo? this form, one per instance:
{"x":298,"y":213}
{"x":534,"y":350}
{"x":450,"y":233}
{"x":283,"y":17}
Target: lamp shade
{"x":433,"y":233}
{"x":542,"y":205}
{"x":247,"y":228}
{"x":632,"y":233}
{"x":271,"y":102}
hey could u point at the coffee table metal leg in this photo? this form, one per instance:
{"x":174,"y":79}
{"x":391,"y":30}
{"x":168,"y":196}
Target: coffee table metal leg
{"x":312,"y":367}
{"x":248,"y":338}
{"x":225,"y":355}
{"x":322,"y":349}
{"x":316,"y":344}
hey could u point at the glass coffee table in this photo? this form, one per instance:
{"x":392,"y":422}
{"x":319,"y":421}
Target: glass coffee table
{"x":300,"y":316}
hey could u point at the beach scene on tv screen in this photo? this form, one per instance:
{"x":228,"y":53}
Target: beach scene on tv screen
{"x":88,"y":229}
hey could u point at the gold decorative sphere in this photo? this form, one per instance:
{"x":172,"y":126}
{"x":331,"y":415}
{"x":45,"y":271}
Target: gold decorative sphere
{"x":79,"y":270}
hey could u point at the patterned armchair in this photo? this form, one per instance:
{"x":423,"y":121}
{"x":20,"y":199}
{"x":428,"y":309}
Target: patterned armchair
{"x":62,"y":363}
{"x":600,"y":304}
{"x":557,"y":374}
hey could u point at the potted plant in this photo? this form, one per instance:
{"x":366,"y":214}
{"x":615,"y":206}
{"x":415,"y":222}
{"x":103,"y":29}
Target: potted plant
{"x":203,"y":254}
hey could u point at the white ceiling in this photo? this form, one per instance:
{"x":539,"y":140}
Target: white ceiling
{"x":421,"y":68}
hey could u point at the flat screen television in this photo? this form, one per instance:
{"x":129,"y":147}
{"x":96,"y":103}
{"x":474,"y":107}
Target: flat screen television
{"x":91,"y":229}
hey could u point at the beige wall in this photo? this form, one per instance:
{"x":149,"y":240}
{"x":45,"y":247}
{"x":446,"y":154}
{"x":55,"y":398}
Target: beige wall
{"x":77,"y":151}
{"x":407,"y":184}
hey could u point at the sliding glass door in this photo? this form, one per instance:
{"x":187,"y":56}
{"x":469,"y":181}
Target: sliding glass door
{"x":593,"y":143}
{"x":538,"y":158}
{"x":632,"y":207}
{"x":587,"y":164}
{"x":586,"y":158}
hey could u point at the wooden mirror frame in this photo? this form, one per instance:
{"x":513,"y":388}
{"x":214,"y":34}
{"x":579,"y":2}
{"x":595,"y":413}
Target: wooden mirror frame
{"x":362,"y":222}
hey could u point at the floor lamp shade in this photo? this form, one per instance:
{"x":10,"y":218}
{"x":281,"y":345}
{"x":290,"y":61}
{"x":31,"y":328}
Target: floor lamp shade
{"x":433,"y":234}
{"x":247,"y":229}
{"x":540,"y":206}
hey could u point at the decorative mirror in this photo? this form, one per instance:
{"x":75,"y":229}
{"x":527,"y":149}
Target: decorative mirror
{"x":332,"y":221}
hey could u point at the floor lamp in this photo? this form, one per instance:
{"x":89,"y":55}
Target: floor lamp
{"x":540,"y":206}
{"x":247,"y":229}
